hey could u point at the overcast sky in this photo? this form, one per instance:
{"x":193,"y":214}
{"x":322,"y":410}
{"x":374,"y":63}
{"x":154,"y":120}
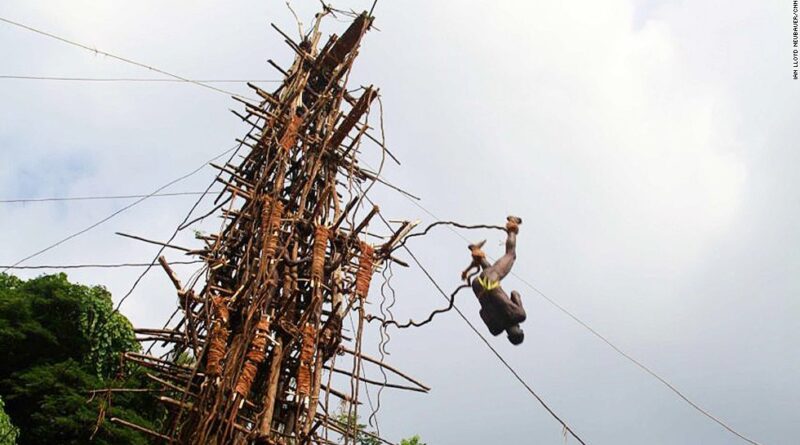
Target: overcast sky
{"x":649,"y":146}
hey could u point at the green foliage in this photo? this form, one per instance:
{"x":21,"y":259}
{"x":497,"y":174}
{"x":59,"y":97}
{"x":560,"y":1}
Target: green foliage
{"x":8,"y":432}
{"x":48,"y":319}
{"x":107,"y":331}
{"x":54,"y":399}
{"x":414,"y":440}
{"x":350,"y":423}
{"x":186,"y":359}
{"x":59,"y":340}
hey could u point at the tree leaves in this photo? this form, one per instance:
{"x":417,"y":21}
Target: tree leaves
{"x":58,"y":341}
{"x":8,"y":432}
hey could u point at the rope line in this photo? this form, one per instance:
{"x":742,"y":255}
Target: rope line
{"x":204,"y":84}
{"x":608,"y":342}
{"x":132,"y":79}
{"x":92,"y":198}
{"x":494,"y":351}
{"x":120,"y":58}
{"x":94,"y":266}
{"x":180,"y":227}
{"x":639,"y":364}
{"x":508,"y":366}
{"x":451,"y":224}
{"x":138,"y":201}
{"x":417,"y":324}
{"x":235,"y":149}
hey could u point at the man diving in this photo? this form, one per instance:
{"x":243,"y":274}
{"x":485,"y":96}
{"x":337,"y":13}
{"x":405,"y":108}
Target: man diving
{"x":498,"y":311}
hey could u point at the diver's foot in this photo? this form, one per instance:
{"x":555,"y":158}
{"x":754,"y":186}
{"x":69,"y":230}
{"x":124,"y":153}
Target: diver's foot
{"x":513,"y":222}
{"x":476,"y":246}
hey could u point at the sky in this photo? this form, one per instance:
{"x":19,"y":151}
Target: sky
{"x":650,"y":148}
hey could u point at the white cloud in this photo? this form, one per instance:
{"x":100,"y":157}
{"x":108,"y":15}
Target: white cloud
{"x":647,"y":158}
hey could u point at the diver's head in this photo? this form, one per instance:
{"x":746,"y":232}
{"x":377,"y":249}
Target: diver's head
{"x":515,"y":334}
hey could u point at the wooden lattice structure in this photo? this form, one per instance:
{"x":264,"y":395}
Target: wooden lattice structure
{"x":289,"y":262}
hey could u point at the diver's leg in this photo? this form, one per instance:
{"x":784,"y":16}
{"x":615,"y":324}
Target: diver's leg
{"x":519,"y":312}
{"x":504,"y":264}
{"x":516,"y":299}
{"x":477,"y":290}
